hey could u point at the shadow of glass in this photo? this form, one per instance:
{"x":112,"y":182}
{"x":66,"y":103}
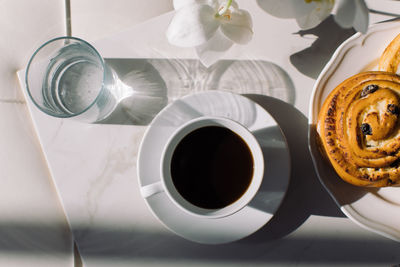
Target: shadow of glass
{"x":150,"y":84}
{"x":305,"y":195}
{"x":143,"y":95}
{"x":312,"y":60}
{"x":252,"y":77}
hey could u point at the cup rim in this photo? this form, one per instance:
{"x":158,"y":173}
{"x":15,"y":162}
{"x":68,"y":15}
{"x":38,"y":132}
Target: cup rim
{"x":38,"y":50}
{"x":247,"y":196}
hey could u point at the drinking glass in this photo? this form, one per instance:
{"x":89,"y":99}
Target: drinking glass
{"x":67,"y":78}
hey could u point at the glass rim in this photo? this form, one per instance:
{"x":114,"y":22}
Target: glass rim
{"x":38,"y":50}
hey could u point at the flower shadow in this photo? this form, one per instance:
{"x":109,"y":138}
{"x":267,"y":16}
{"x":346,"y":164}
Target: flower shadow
{"x":312,"y":60}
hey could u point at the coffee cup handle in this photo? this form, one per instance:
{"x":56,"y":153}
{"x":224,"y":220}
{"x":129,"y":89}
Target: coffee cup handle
{"x":151,"y":189}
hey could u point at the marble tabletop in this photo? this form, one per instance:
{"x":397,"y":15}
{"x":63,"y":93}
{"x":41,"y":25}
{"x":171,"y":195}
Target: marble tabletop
{"x":93,"y":166}
{"x":33,"y":228}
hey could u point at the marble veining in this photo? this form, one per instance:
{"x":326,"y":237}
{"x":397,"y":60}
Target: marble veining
{"x":12,"y":101}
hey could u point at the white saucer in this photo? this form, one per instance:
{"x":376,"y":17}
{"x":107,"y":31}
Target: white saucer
{"x":277,"y":166}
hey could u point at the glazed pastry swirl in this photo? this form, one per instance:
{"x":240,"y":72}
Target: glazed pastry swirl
{"x":390,"y":58}
{"x":359,"y":129}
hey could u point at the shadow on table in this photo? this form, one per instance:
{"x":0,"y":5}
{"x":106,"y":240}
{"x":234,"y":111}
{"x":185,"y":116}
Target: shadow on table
{"x":276,"y":172}
{"x":305,"y":195}
{"x":113,"y":246}
{"x":153,"y":83}
{"x":330,"y":35}
{"x":313,"y":59}
{"x":343,"y":192}
{"x":152,"y":249}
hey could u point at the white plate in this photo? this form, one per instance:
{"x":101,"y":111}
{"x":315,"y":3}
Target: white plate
{"x":375,"y":209}
{"x":277,"y":166}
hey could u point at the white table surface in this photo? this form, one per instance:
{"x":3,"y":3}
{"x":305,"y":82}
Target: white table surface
{"x":33,"y":228}
{"x":99,"y":191}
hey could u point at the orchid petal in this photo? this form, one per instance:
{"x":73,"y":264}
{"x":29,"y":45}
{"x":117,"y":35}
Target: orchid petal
{"x":211,"y":51}
{"x":321,"y":11}
{"x":233,"y":5}
{"x":214,"y":4}
{"x":361,"y":18}
{"x":192,"y":26}
{"x":240,"y":17}
{"x":223,"y":2}
{"x":223,"y":7}
{"x":286,"y":8}
{"x":344,"y":13}
{"x":239,"y":27}
{"x":178,"y":4}
{"x":352,"y":14}
{"x":238,"y":34}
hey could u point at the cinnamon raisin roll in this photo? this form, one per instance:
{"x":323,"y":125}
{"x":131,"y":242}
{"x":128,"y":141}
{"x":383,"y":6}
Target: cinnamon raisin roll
{"x":358,"y":126}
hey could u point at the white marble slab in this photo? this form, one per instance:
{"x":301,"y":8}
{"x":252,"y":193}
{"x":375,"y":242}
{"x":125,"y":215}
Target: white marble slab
{"x":94,"y":165}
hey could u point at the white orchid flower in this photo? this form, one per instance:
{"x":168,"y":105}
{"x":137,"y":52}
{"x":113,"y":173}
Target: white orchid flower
{"x":352,"y":13}
{"x":310,"y":13}
{"x":211,"y":26}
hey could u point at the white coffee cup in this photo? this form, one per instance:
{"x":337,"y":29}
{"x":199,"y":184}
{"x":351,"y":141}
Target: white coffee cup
{"x":166,"y":183}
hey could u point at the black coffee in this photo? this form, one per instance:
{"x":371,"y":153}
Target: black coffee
{"x":212,"y":167}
